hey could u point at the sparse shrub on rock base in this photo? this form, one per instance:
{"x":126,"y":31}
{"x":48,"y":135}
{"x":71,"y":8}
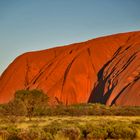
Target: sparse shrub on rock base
{"x":35,"y":103}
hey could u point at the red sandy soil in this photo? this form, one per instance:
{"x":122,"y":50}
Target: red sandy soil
{"x":105,"y":70}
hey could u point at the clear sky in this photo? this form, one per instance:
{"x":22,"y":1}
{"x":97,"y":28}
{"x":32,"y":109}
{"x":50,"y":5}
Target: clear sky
{"x":27,"y":25}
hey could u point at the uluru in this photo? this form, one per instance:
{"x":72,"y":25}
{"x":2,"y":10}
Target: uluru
{"x":102,"y":70}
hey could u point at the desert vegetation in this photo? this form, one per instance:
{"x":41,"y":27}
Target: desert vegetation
{"x":30,"y":117}
{"x":35,"y":103}
{"x":70,"y":128}
{"x":26,"y":103}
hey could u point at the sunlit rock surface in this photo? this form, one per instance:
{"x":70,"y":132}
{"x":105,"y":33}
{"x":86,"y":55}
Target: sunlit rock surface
{"x":105,"y":70}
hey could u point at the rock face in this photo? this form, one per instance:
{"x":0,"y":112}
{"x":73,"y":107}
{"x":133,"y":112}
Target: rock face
{"x":105,"y":70}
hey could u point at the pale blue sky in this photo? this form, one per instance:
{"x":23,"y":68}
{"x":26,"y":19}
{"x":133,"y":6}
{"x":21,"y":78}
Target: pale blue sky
{"x":27,"y":25}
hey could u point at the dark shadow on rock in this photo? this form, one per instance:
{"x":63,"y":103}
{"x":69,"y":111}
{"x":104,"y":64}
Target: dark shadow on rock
{"x":97,"y":94}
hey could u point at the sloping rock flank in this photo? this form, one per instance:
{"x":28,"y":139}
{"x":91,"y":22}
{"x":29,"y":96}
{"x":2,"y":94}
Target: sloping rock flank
{"x":105,"y":70}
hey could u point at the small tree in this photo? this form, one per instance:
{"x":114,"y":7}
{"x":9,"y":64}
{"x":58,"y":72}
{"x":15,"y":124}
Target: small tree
{"x":32,"y":100}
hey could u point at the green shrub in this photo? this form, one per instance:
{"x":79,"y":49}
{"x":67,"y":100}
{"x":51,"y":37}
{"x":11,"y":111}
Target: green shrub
{"x":12,"y":129}
{"x":33,"y":100}
{"x":13,"y":137}
{"x":48,"y":136}
{"x":85,"y":129}
{"x":121,"y":130}
{"x":107,"y":129}
{"x":13,"y":132}
{"x":12,"y":108}
{"x":53,"y":128}
{"x":72,"y":133}
{"x":64,"y":129}
{"x":35,"y":134}
{"x":98,"y":132}
{"x":93,"y":131}
{"x":26,"y":103}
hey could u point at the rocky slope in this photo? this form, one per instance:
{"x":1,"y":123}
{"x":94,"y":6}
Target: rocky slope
{"x":105,"y":70}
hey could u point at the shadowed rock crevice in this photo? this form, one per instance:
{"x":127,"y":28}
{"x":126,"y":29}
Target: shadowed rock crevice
{"x":108,"y":77}
{"x":131,"y":58}
{"x":66,"y":73}
{"x":97,"y":94}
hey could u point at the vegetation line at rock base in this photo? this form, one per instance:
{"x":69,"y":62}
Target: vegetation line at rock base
{"x":30,"y":117}
{"x":35,"y":103}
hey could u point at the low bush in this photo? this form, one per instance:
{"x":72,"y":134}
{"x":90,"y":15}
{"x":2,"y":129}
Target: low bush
{"x":111,"y":130}
{"x":35,"y":103}
{"x":53,"y":128}
{"x":65,"y":130}
{"x":123,"y":130}
{"x":13,"y":137}
{"x":90,"y":131}
{"x":73,"y":133}
{"x":92,"y":109}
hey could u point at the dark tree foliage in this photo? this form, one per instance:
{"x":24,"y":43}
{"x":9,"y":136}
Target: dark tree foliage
{"x":27,"y":102}
{"x":33,"y":100}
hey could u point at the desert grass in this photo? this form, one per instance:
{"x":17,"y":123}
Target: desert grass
{"x":24,"y":122}
{"x":63,"y":127}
